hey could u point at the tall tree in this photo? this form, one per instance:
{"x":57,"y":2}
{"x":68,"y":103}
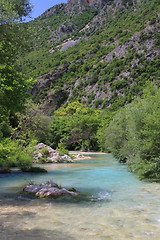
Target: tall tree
{"x":13,"y":85}
{"x":76,"y":126}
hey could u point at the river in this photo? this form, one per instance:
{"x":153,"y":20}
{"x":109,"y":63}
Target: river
{"x":115,"y":206}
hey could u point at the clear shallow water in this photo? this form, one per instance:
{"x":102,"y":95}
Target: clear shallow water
{"x":116,"y":205}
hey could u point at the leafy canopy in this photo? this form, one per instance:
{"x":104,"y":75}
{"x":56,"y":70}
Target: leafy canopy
{"x":134,"y":134}
{"x":13,"y":85}
{"x":76,"y":126}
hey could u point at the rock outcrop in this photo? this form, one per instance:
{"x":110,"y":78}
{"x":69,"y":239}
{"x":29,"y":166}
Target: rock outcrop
{"x":45,"y":154}
{"x":83,"y":3}
{"x":48,"y":190}
{"x":102,"y":42}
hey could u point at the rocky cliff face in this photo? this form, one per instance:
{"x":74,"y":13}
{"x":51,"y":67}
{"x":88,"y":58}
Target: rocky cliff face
{"x":73,"y":6}
{"x":79,"y":5}
{"x":53,"y":11}
{"x":86,"y":2}
{"x":114,"y":52}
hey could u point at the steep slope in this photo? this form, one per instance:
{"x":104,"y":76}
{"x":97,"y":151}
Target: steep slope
{"x":115,"y":51}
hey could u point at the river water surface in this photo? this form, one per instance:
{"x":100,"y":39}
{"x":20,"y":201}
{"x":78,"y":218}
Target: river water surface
{"x":115,"y":204}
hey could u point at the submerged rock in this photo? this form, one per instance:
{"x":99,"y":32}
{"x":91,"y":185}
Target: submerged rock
{"x":48,"y":190}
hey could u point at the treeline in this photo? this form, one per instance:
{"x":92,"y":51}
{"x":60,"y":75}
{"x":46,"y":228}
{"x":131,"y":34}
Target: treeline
{"x":73,"y":126}
{"x":133,"y":136}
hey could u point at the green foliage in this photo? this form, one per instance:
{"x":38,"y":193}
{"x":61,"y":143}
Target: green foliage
{"x":62,"y":149}
{"x":44,"y":151}
{"x":115,"y":135}
{"x":75,"y":126}
{"x":134,"y":134}
{"x":13,"y":154}
{"x":32,"y":124}
{"x":5,"y":128}
{"x":11,"y":11}
{"x":13,"y":85}
{"x":105,"y":118}
{"x":12,"y":34}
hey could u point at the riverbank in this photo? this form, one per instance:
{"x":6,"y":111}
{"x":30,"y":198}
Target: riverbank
{"x":87,"y":153}
{"x":78,"y":155}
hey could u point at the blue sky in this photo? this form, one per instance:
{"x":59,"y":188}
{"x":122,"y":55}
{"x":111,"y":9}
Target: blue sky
{"x":40,"y":6}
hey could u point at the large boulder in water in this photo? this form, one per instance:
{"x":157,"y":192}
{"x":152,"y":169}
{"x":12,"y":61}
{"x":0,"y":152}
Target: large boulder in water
{"x":48,"y":190}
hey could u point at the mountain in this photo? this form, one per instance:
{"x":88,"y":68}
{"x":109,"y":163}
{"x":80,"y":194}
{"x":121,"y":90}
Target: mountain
{"x":81,"y":4}
{"x":99,"y":52}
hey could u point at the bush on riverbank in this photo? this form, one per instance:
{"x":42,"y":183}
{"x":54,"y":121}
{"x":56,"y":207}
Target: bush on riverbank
{"x":12,"y":154}
{"x":133,"y":135}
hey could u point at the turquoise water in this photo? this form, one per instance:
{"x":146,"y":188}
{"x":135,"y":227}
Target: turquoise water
{"x":115,"y":204}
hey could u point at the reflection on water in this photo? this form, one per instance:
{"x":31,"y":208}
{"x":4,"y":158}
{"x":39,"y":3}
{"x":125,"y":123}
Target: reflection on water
{"x":114,"y":204}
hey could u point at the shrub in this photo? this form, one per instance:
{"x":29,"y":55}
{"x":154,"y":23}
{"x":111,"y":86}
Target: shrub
{"x":44,"y":151}
{"x":62,"y":149}
{"x":134,"y":134}
{"x":12,"y":154}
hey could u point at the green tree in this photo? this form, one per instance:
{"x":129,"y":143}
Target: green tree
{"x":13,"y":85}
{"x":13,"y":154}
{"x":105,"y":118}
{"x":134,"y":134}
{"x":115,"y":135}
{"x":33,"y":124}
{"x":84,"y":125}
{"x":76,"y":126}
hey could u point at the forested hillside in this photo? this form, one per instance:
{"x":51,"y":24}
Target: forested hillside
{"x":114,"y":53}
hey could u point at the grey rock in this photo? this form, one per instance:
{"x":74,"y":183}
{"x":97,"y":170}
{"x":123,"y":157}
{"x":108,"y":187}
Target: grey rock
{"x":48,"y":190}
{"x":52,"y":156}
{"x":65,"y":158}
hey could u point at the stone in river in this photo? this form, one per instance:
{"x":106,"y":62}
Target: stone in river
{"x":48,"y":190}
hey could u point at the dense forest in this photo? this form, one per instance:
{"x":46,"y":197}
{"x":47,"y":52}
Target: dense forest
{"x":81,"y":80}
